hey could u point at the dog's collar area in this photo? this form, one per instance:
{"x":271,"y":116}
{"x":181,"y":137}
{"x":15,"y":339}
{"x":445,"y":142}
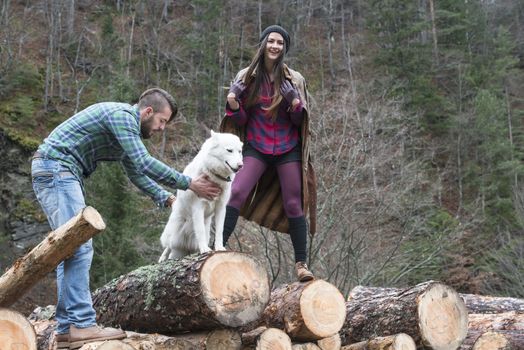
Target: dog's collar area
{"x":227,"y":179}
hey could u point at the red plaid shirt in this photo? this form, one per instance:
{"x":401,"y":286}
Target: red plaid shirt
{"x":265,"y":135}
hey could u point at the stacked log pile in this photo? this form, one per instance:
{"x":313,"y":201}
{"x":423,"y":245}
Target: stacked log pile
{"x":431,"y":313}
{"x":494,"y":323}
{"x":222,"y":300}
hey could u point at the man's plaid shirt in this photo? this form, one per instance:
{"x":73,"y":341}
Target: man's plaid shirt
{"x":110,"y":131}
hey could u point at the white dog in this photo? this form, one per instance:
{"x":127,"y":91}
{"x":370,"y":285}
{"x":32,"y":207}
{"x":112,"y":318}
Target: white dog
{"x":189,"y":226}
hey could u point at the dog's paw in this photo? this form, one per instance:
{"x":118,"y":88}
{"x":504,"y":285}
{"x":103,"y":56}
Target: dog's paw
{"x":219,"y":248}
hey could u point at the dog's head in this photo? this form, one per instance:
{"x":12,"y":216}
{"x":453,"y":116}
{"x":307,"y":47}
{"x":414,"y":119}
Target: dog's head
{"x":225,"y":152}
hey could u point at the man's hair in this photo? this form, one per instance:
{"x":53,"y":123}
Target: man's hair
{"x":157,"y":99}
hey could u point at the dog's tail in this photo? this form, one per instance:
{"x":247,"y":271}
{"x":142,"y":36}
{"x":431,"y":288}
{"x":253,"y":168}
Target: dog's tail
{"x":165,"y":255}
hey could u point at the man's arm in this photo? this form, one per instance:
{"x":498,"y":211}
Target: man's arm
{"x":126,"y":130}
{"x":159,"y":195}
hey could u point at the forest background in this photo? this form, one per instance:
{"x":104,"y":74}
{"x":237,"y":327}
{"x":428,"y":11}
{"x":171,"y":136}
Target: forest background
{"x":417,"y":114}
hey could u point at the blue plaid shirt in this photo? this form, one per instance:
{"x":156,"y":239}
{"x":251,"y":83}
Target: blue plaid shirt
{"x":110,"y":131}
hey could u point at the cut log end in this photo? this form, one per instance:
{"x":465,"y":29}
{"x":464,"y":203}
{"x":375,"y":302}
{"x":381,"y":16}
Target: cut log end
{"x":273,"y":339}
{"x":449,"y":329}
{"x":224,"y":339}
{"x":399,"y":341}
{"x":16,"y":332}
{"x":492,"y":341}
{"x":235,"y":286}
{"x":93,"y":217}
{"x":323,"y":308}
{"x":330,"y":343}
{"x":403,"y":342}
{"x":305,"y":346}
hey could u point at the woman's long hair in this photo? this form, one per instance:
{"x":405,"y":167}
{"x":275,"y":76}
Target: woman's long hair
{"x":254,"y":82}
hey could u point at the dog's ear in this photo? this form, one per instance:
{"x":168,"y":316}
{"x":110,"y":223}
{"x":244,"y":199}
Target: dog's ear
{"x":212,"y":133}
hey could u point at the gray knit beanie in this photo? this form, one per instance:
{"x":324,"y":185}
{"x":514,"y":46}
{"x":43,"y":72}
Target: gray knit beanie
{"x":277,"y":29}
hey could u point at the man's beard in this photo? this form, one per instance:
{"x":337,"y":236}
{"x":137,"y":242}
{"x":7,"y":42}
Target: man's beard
{"x":145,"y":128}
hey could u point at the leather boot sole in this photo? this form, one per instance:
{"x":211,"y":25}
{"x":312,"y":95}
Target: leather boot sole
{"x":78,"y":344}
{"x":62,"y":345}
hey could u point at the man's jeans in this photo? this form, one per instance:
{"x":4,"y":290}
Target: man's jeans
{"x":61,"y":196}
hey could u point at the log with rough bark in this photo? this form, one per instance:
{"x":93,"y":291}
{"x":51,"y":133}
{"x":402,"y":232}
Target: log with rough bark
{"x":42,"y":259}
{"x":263,"y":338}
{"x":505,"y":321}
{"x":432,"y":313}
{"x":493,"y":340}
{"x":482,"y":304}
{"x":476,"y":304}
{"x":219,"y":339}
{"x":200,"y":292}
{"x":393,"y":342}
{"x":330,"y":343}
{"x":305,"y":311}
{"x":16,"y":332}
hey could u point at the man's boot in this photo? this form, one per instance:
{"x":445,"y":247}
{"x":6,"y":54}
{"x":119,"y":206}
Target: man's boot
{"x":81,"y":336}
{"x":62,"y":341}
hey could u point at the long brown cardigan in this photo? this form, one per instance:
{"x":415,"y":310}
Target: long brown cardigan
{"x":264,"y":204}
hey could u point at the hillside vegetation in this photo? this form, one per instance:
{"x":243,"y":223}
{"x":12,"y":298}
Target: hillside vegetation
{"x":417,"y":112}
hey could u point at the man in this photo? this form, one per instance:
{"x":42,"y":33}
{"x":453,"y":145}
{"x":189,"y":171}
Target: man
{"x":107,"y":131}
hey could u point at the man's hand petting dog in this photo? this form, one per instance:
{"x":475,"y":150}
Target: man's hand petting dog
{"x":205,"y":188}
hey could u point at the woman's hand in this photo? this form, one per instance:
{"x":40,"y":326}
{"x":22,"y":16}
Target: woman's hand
{"x":236,"y":89}
{"x":289,"y":92}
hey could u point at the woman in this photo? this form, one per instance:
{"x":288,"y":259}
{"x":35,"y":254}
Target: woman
{"x":267,"y":105}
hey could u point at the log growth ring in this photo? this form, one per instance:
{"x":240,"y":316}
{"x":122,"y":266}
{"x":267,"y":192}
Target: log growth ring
{"x":236,"y":288}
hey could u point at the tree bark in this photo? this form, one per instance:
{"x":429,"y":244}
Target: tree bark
{"x":482,"y":304}
{"x":16,"y":332}
{"x":476,"y":304}
{"x":432,"y":313}
{"x":57,"y":246}
{"x":393,"y":342}
{"x":330,"y":343}
{"x":506,"y":321}
{"x":200,"y":292}
{"x":493,"y":340}
{"x":306,"y":311}
{"x":263,"y":338}
{"x":214,"y":340}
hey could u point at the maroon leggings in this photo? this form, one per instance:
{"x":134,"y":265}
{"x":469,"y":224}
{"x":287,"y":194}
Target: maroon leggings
{"x":290,"y":177}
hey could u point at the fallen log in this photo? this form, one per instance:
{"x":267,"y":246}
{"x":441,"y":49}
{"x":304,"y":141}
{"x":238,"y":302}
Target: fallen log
{"x":431,"y":313}
{"x":393,"y":342}
{"x":209,"y":340}
{"x":330,"y":343}
{"x":483,"y":304}
{"x":16,"y":332}
{"x":42,"y":259}
{"x":263,"y":338}
{"x":505,"y":321}
{"x":200,"y":292}
{"x":493,"y":340}
{"x":305,"y":311}
{"x":476,"y":304}
{"x":217,"y":339}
